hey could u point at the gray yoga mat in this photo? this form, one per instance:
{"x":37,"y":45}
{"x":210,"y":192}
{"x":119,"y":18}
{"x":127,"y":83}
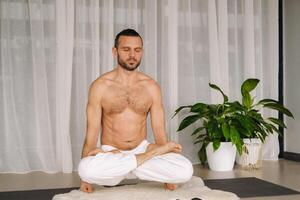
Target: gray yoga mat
{"x":249,"y":187}
{"x":33,"y":194}
{"x":243,"y":187}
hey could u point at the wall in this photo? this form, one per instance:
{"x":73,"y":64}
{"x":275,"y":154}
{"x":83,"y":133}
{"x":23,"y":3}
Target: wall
{"x":292,"y":73}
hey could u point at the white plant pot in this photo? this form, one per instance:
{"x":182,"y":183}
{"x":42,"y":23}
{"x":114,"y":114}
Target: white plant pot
{"x":254,"y":156}
{"x":223,"y":158}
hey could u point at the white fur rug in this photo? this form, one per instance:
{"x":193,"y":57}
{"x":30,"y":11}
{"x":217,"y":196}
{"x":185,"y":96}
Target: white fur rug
{"x":151,"y":191}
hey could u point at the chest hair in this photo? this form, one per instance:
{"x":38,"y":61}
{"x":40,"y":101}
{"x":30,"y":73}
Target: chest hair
{"x":118,"y":99}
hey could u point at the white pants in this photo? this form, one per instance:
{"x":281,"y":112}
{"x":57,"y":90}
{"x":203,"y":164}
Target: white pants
{"x":110,"y":169}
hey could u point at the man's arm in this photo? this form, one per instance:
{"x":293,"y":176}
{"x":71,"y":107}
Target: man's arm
{"x":158,"y":115}
{"x":158,"y":125}
{"x":93,"y":112}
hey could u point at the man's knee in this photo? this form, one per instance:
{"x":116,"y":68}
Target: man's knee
{"x":187,"y":171}
{"x":90,"y":174}
{"x":106,"y":165}
{"x":184,"y":168}
{"x":84,"y":169}
{"x":89,"y":169}
{"x":170,"y":168}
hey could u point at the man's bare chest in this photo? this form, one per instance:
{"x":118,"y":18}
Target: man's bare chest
{"x":116,"y":99}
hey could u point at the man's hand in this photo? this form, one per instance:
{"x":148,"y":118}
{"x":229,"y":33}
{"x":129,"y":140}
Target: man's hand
{"x":98,"y":150}
{"x":168,"y":148}
{"x":176,"y":148}
{"x":95,"y":152}
{"x":86,"y":187}
{"x":115,"y":151}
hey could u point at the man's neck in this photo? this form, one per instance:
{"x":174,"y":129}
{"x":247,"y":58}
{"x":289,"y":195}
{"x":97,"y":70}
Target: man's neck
{"x":126,"y":77}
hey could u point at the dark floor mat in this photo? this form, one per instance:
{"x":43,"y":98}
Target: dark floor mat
{"x":243,"y":187}
{"x":249,"y":187}
{"x":47,"y":194}
{"x":33,"y":194}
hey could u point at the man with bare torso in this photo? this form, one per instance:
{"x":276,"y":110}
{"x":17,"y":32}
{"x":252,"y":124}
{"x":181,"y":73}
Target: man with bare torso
{"x":118,"y":104}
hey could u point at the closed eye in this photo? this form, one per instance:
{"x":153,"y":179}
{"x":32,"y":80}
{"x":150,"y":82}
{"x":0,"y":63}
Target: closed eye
{"x":138,"y":50}
{"x":125,"y":49}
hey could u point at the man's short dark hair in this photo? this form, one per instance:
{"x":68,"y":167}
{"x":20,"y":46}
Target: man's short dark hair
{"x":127,"y":32}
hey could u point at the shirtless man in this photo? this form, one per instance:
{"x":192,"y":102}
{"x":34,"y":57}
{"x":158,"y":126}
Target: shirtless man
{"x":118,"y":103}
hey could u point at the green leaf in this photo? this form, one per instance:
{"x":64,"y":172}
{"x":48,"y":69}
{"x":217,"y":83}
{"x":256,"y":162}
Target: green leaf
{"x":217,"y":88}
{"x":179,"y":109}
{"x":264,"y":101}
{"x":202,"y":153}
{"x":214,"y":130}
{"x":249,"y":85}
{"x":260,"y":132}
{"x":188,"y":121}
{"x":252,"y":101}
{"x":236,"y":139}
{"x":199,"y":141}
{"x":236,"y":104}
{"x":247,"y":100}
{"x":226,"y":132}
{"x":212,"y":108}
{"x":262,"y":138}
{"x":268,"y":128}
{"x":201,"y":136}
{"x":239,"y":147}
{"x":233,"y":107}
{"x":280,"y":108}
{"x":234,"y":135}
{"x":255,"y":115}
{"x":198,"y":130}
{"x":246,"y":121}
{"x":275,"y":128}
{"x":198,"y":107}
{"x":277,"y":121}
{"x":216,"y":144}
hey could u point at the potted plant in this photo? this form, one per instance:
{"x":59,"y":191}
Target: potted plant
{"x":218,"y":131}
{"x":256,"y":127}
{"x":231,"y":121}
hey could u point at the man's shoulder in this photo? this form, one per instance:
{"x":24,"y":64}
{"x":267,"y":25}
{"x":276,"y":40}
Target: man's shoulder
{"x":104,"y":80}
{"x":149,"y":83}
{"x":146,"y":79}
{"x":100,"y":84}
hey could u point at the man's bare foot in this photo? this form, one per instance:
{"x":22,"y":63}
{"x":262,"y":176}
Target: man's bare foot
{"x":86,"y":187}
{"x":169,"y":186}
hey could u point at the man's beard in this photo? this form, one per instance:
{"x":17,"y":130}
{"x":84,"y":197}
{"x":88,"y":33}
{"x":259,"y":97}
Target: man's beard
{"x":127,"y":67}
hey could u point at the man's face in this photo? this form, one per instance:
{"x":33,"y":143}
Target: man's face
{"x":129,"y":52}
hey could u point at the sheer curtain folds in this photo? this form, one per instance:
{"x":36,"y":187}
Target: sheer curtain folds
{"x":51,"y":51}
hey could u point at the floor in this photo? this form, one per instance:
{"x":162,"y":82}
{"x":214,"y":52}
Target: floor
{"x":282,"y":172}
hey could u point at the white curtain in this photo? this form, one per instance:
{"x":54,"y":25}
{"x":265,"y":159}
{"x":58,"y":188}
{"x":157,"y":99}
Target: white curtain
{"x":51,"y":51}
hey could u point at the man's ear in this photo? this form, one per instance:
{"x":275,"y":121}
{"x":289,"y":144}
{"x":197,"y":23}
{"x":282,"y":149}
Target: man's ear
{"x":114,"y":52}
